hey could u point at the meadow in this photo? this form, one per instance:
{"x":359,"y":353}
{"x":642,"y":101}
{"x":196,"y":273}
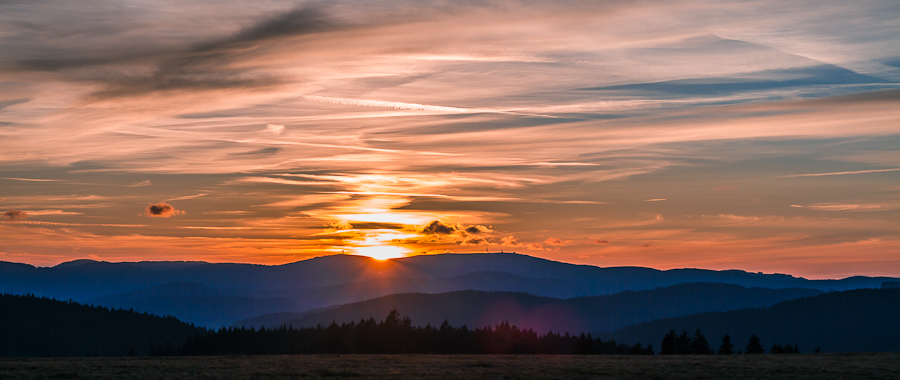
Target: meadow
{"x":797,"y":366}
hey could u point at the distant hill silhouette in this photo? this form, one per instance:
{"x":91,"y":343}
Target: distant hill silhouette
{"x":576,"y":315}
{"x":32,"y":326}
{"x":848,"y":321}
{"x":87,"y":279}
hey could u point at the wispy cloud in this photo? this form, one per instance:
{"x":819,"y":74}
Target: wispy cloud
{"x":141,"y":184}
{"x":844,"y":173}
{"x":50,"y":212}
{"x":408,"y":106}
{"x":58,"y":224}
{"x":185,"y":197}
{"x":533,"y":119}
{"x":34,"y":180}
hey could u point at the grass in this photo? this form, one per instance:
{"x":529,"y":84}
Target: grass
{"x":806,"y":366}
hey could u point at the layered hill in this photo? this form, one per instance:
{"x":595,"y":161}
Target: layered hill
{"x":848,"y":321}
{"x":199,"y":304}
{"x":575,"y":315}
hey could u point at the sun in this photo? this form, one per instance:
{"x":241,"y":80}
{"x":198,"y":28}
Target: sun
{"x":380,"y":244}
{"x":382,"y":252}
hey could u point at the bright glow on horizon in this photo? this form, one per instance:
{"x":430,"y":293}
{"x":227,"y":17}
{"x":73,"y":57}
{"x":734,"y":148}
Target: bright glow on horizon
{"x":382,"y":252}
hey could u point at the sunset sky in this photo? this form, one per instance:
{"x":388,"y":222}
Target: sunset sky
{"x":755,"y":135}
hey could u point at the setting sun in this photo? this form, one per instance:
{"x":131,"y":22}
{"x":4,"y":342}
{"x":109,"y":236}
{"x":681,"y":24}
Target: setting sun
{"x":382,"y":252}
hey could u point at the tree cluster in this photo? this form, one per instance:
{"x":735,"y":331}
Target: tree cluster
{"x":786,"y":349}
{"x":685,"y":344}
{"x":396,"y":335}
{"x":44,"y":327}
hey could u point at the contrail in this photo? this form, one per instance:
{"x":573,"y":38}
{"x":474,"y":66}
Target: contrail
{"x":40,"y":223}
{"x":844,"y":173}
{"x":409,"y":106}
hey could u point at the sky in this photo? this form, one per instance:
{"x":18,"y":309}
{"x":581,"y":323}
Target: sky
{"x":755,"y":135}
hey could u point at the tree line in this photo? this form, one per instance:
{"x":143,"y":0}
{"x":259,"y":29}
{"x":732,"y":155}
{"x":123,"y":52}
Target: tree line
{"x":44,"y":327}
{"x":40,"y":326}
{"x":396,"y":335}
{"x":685,"y":344}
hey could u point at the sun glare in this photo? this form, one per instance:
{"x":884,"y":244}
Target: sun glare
{"x":382,"y":252}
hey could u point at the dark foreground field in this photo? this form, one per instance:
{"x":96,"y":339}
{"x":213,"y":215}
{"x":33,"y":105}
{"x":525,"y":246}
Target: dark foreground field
{"x":807,"y":366}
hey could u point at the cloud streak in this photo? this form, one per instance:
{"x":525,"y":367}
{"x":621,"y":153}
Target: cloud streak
{"x":844,"y":173}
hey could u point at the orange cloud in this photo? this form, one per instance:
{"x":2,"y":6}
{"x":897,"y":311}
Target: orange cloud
{"x":556,"y":242}
{"x":510,"y":241}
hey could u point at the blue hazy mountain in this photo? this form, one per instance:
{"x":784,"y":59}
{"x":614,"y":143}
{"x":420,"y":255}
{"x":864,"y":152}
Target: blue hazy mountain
{"x":853,"y":320}
{"x":195,"y":303}
{"x":87,"y":279}
{"x":575,"y":315}
{"x":340,"y":279}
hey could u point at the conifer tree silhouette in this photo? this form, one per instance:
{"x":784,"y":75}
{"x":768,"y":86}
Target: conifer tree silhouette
{"x":699,"y":345}
{"x":727,"y":348}
{"x":754,"y":346}
{"x":683,"y":344}
{"x":668,"y":344}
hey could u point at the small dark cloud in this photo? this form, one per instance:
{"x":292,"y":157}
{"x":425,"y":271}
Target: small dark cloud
{"x":262,"y":151}
{"x":475,"y":241}
{"x":15,"y":215}
{"x":438,"y":228}
{"x":377,"y":226}
{"x":161,"y":210}
{"x":598,"y":242}
{"x":473,"y":229}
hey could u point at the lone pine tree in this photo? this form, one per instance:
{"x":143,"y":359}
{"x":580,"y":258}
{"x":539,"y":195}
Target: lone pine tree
{"x":754,"y":346}
{"x":699,"y":345}
{"x":727,"y":348}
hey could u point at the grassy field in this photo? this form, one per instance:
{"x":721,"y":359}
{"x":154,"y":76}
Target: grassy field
{"x":807,"y":366}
